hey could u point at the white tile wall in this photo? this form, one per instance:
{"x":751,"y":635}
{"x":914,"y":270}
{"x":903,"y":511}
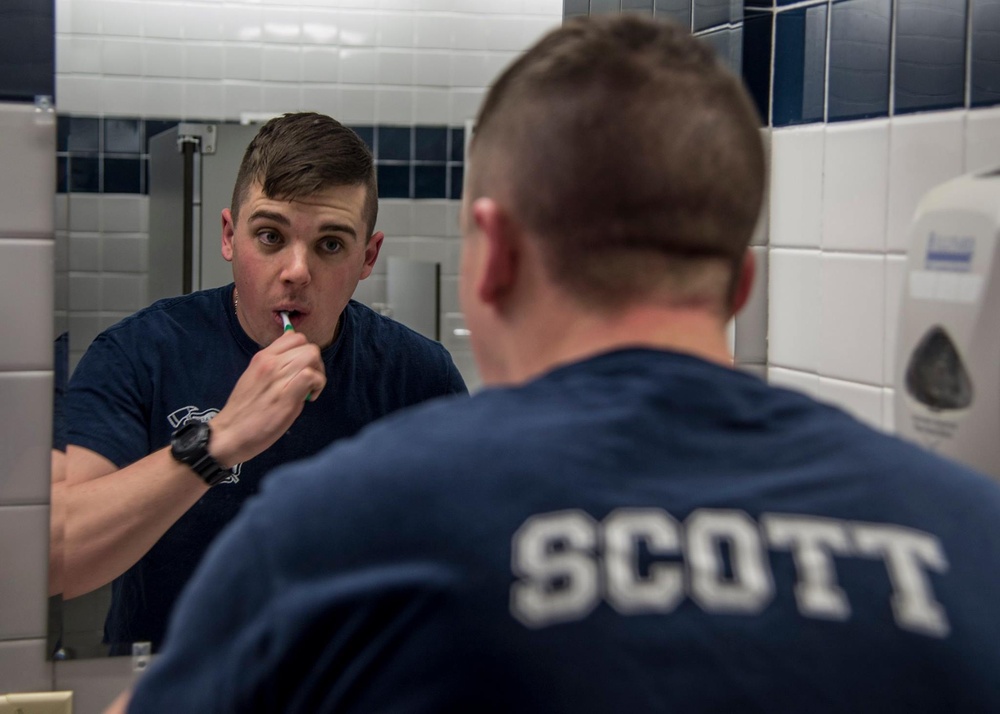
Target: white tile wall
{"x":861,"y":400}
{"x":832,"y":328}
{"x":26,"y":301}
{"x":796,"y":197}
{"x":794,"y":308}
{"x":982,"y":146}
{"x":895,"y":272}
{"x":852,"y":317}
{"x":855,"y":165}
{"x":23,"y":667}
{"x":371,"y":44}
{"x":889,"y":410}
{"x":26,"y":204}
{"x":805,"y":382}
{"x":22,"y":453}
{"x":750,"y":346}
{"x":924,"y":150}
{"x":24,"y":551}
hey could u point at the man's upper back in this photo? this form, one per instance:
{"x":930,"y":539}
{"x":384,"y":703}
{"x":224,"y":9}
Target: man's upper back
{"x":636,"y":532}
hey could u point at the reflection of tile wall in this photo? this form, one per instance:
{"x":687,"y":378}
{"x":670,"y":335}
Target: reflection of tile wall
{"x":110,"y":155}
{"x":405,"y":75}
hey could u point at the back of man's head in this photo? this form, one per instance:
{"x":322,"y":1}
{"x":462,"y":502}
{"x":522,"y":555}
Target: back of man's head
{"x":634,"y":157}
{"x":296,"y":156}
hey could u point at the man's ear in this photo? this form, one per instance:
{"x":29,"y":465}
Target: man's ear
{"x":371,"y":253}
{"x":500,"y":251}
{"x":744,"y":281}
{"x":228,"y":233}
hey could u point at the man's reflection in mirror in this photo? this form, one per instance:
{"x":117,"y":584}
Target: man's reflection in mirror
{"x":176,"y":413}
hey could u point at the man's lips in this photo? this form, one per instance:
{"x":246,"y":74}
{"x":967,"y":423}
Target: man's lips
{"x":295,"y":316}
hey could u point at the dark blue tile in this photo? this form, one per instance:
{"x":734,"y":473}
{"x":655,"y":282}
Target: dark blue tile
{"x":644,"y":7}
{"x":605,"y":7}
{"x":985,"y":52}
{"x":456,"y":137}
{"x":456,"y":175}
{"x":799,"y":66}
{"x":122,"y":136}
{"x":84,"y":174}
{"x":756,"y":62}
{"x":154,"y":127}
{"x":431,"y":143}
{"x":572,"y":8}
{"x":710,"y":13}
{"x":62,"y":132}
{"x":430,"y":182}
{"x":394,"y":143}
{"x":84,"y":134}
{"x":62,"y":174}
{"x":367,"y":134}
{"x":859,"y":59}
{"x":122,"y":175}
{"x":393,"y":180}
{"x":27,"y":49}
{"x":930,"y":55}
{"x":728,"y":45}
{"x":677,"y":10}
{"x":144,"y":174}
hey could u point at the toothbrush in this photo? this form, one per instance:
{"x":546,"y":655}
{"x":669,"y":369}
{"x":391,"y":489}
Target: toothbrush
{"x":288,"y":327}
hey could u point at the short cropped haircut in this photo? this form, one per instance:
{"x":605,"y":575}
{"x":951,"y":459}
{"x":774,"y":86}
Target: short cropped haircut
{"x":634,"y":155}
{"x":296,"y":156}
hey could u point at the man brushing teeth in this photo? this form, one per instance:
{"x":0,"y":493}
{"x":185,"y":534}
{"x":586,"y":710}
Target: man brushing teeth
{"x":192,"y":400}
{"x":302,"y":254}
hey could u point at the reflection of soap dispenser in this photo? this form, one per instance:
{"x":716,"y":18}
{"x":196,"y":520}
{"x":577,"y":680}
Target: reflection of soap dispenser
{"x":947,"y":372}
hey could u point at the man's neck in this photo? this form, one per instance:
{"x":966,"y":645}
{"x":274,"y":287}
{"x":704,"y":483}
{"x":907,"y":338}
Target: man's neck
{"x":572,"y":335}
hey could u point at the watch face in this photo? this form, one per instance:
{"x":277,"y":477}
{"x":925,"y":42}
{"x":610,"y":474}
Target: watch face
{"x":190,"y":436}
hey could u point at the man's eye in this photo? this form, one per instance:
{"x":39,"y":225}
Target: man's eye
{"x":268,"y":237}
{"x":331,"y":246}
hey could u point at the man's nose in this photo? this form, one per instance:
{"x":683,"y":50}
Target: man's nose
{"x":296,"y":268}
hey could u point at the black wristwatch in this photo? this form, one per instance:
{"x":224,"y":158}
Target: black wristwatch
{"x":189,"y":445}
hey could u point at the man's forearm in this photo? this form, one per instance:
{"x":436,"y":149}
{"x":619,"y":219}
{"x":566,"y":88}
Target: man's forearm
{"x":113,"y":519}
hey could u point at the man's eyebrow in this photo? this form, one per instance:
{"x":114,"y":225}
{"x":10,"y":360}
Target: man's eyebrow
{"x":339,"y":228}
{"x":266,"y":215}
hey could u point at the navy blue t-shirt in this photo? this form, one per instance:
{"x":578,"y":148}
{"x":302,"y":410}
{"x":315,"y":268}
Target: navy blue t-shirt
{"x":639,"y":532}
{"x":179,"y":359}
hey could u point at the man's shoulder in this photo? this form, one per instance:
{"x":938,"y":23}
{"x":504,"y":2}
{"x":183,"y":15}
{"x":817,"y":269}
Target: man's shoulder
{"x":178,"y":310}
{"x":398,"y":353}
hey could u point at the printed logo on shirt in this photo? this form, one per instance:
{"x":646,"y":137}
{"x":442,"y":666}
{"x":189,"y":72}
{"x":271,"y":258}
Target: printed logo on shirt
{"x":567,"y":563}
{"x":186,"y":414}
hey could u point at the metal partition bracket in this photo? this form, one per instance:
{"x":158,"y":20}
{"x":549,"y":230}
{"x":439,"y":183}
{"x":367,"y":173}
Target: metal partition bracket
{"x":202,"y":135}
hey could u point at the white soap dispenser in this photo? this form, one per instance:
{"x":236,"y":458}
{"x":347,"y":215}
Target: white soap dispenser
{"x":947,"y":370}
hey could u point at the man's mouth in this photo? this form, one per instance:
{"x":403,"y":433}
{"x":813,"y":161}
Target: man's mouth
{"x":294,"y":316}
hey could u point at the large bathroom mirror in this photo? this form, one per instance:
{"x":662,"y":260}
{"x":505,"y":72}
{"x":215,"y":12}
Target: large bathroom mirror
{"x":405,"y":74}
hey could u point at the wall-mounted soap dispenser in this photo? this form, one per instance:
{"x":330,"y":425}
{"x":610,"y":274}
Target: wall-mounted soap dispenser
{"x":947,"y":372}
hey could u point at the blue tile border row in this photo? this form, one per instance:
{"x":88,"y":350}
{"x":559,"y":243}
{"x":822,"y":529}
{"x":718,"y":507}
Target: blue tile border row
{"x":885,"y":58}
{"x":111,"y":155}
